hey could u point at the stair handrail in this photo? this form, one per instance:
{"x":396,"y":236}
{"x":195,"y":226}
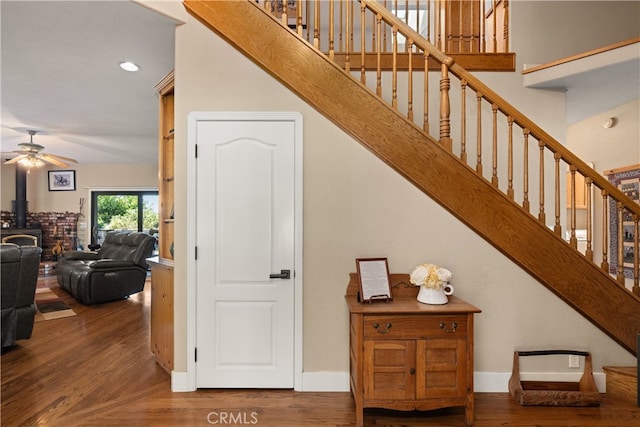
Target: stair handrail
{"x":616,"y":205}
{"x":504,"y":106}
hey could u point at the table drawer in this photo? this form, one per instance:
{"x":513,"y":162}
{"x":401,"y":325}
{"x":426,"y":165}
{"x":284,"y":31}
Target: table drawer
{"x":399,"y":326}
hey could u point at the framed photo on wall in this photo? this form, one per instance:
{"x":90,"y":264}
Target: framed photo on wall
{"x":627,"y":179}
{"x":62,"y":180}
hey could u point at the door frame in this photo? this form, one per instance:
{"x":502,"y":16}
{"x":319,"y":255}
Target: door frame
{"x":191,"y":319}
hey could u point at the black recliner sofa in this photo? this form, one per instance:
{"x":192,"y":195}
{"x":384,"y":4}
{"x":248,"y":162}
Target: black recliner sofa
{"x":117,"y":270}
{"x":18,"y":283}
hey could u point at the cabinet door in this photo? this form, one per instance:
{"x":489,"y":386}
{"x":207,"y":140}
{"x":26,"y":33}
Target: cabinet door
{"x":441,"y":368}
{"x":389,"y":369}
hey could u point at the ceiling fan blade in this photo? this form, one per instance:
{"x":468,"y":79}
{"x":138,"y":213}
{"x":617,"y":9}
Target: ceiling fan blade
{"x":53,"y":161}
{"x":45,"y":156}
{"x":16,"y":159}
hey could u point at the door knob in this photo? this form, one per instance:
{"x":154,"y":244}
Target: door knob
{"x":284,"y":274}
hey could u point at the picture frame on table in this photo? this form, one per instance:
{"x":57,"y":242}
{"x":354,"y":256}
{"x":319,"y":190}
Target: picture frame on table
{"x":62,"y":180}
{"x":373,"y":276}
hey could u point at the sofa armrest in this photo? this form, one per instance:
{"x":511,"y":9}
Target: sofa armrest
{"x":81,"y":255}
{"x":111,"y":263}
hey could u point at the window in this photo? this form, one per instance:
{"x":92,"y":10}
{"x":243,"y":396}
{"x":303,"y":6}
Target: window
{"x":123,"y":210}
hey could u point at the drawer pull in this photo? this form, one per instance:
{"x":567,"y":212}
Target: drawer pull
{"x":454,"y":325}
{"x":382,"y":331}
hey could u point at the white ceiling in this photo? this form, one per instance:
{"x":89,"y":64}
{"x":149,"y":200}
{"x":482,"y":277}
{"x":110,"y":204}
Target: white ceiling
{"x":60,"y":76}
{"x":595,"y":83}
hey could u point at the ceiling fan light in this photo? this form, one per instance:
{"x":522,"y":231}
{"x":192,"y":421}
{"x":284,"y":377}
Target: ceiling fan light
{"x":31,"y":162}
{"x":129,"y":66}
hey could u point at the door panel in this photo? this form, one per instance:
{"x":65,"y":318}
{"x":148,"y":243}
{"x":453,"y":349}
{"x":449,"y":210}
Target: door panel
{"x":245,"y":232}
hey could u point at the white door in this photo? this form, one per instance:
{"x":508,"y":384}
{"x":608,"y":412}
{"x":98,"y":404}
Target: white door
{"x":245,"y":239}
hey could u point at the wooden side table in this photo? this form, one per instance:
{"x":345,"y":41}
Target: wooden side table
{"x":406,"y":355}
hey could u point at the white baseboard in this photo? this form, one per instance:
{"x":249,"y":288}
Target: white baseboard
{"x":484,"y":382}
{"x":325,"y":381}
{"x":180,"y":382}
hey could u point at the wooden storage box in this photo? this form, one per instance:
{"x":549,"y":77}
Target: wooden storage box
{"x":554,"y":393}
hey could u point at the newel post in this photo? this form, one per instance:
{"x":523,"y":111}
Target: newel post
{"x":445,"y":107}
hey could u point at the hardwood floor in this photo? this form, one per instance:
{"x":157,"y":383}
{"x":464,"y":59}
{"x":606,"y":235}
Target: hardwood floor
{"x":95,"y":369}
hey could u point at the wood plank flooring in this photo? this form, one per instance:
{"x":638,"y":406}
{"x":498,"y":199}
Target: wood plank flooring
{"x":95,"y":369}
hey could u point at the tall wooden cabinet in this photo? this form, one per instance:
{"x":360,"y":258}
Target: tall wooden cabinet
{"x":162,"y":265}
{"x":406,"y":355}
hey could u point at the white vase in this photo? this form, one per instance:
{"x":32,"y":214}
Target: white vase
{"x":435,"y":296}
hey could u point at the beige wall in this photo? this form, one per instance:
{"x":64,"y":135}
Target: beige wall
{"x":88,"y":176}
{"x":354,"y":206}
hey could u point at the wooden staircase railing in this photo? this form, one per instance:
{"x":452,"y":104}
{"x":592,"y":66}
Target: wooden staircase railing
{"x":554,"y":162}
{"x":474,"y":32}
{"x":505,"y":198}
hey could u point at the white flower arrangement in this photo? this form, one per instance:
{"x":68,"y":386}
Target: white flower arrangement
{"x":430,"y":276}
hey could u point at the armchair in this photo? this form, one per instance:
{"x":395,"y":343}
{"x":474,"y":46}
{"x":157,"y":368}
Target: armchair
{"x":19,"y":277}
{"x":117,"y":270}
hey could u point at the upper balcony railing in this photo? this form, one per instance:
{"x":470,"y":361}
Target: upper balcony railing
{"x":458,"y":27}
{"x":386,"y":54}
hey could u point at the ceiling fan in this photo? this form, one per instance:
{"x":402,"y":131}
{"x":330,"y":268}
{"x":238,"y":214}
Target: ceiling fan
{"x":31,"y":155}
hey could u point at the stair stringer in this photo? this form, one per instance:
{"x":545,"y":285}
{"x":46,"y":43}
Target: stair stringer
{"x":427,"y":165}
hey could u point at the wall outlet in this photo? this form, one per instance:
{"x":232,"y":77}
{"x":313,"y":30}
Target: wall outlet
{"x":574,"y":361}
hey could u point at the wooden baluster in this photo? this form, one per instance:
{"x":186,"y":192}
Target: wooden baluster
{"x":316,"y":25}
{"x":410,"y":82}
{"x":494,"y":48}
{"x":373,"y":33}
{"x":525,"y":184}
{"x":349,"y":36}
{"x":542,"y":216}
{"x":505,"y":30}
{"x":483,"y":29}
{"x":425,"y":99}
{"x":479,"y":134}
{"x":463,"y":118}
{"x":636,"y":255}
{"x":438,"y":32}
{"x":379,"y":56}
{"x":494,"y":154}
{"x":589,"y":250}
{"x":620,"y":248}
{"x":510,"y":192}
{"x":384,"y":33}
{"x":605,"y":232}
{"x":341,"y":26}
{"x":307,"y":12}
{"x":331,"y":30}
{"x":429,"y":35}
{"x":351,"y":20}
{"x":394,"y":70}
{"x":406,"y":8}
{"x":557,"y":226}
{"x":445,"y":108}
{"x":460,"y":27}
{"x":363,"y":74}
{"x":572,"y":207}
{"x":299,"y":17}
{"x":284,"y":17}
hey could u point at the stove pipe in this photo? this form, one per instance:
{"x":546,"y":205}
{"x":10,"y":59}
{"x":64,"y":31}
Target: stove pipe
{"x":21,"y":196}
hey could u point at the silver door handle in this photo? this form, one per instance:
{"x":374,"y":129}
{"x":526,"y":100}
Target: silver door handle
{"x":284,"y":274}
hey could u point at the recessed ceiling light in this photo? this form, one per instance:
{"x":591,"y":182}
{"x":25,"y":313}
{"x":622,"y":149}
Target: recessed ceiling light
{"x":129,"y":66}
